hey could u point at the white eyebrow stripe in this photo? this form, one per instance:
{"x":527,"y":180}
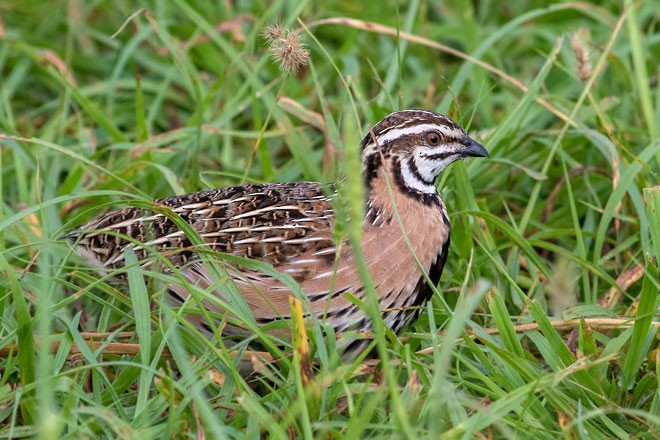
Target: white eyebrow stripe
{"x":415,"y":129}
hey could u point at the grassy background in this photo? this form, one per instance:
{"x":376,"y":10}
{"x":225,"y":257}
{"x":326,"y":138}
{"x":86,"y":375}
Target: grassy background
{"x":550,"y":272}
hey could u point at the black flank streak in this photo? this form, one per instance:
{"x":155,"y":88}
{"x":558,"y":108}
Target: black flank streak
{"x":362,"y":324}
{"x":324,"y":295}
{"x":262,"y":321}
{"x":446,"y":221}
{"x":340,"y":312}
{"x":176,"y":296}
{"x":356,"y":345}
{"x":435,"y":272}
{"x":422,"y":292}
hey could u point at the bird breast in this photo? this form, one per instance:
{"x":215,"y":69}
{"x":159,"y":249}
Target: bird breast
{"x":391,"y":250}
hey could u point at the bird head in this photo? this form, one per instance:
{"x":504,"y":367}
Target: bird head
{"x":417,"y":145}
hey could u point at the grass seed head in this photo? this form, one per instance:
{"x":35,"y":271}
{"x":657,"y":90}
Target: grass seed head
{"x":286,"y":47}
{"x":581,"y":52}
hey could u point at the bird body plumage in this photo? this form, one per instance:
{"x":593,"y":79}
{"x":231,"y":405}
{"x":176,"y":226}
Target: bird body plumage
{"x":406,"y":230}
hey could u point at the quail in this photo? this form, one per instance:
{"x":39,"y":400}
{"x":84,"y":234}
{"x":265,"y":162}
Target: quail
{"x":406,"y":231}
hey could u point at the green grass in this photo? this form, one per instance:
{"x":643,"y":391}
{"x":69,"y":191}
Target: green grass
{"x":562,"y":223}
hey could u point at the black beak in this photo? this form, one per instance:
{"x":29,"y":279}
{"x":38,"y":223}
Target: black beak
{"x":472,"y":148}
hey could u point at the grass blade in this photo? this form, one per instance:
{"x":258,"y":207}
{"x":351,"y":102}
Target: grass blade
{"x":652,"y":198}
{"x":643,"y":331}
{"x":140,"y":305}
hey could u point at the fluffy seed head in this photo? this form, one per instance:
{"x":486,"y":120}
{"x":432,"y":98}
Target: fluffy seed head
{"x":286,"y":47}
{"x":273,"y":32}
{"x":581,"y":51}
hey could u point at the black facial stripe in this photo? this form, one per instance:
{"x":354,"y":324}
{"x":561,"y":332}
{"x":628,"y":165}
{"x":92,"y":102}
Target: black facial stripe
{"x":415,"y":171}
{"x":440,"y":156}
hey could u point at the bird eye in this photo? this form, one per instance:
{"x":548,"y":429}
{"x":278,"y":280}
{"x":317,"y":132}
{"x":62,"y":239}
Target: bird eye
{"x":433,"y":138}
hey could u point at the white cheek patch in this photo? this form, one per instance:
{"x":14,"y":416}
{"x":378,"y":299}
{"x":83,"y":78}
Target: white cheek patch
{"x":436,"y":166}
{"x":413,"y":182}
{"x":426,"y":168}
